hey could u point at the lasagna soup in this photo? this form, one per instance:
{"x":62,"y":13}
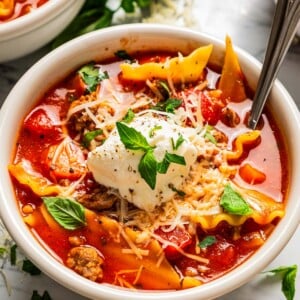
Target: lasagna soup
{"x":140,"y":171}
{"x":12,"y":9}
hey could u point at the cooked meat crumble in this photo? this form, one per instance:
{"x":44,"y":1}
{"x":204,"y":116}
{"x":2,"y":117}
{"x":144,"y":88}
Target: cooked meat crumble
{"x":86,"y":261}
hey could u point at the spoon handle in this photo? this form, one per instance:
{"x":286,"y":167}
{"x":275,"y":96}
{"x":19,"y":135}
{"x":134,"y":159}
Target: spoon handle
{"x":284,"y":27}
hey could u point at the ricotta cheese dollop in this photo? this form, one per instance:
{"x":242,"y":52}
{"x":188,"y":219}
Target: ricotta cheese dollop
{"x":114,"y":166}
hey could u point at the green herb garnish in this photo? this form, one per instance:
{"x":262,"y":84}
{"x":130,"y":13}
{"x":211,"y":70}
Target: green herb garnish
{"x":165,"y":87}
{"x":168,"y":106}
{"x":30,"y":268}
{"x":233,"y":203}
{"x":89,"y":136}
{"x":179,"y":192}
{"x":152,"y":130}
{"x":288,"y":275}
{"x":36,"y":296}
{"x":147,"y":168}
{"x":67,"y":212}
{"x":3,"y":251}
{"x":207,"y":241}
{"x":177,"y":144}
{"x":123,"y":55}
{"x":129,"y":116}
{"x":92,"y":76}
{"x":13,"y":255}
{"x":96,"y":15}
{"x":163,"y":166}
{"x":131,"y":138}
{"x":208,"y":134}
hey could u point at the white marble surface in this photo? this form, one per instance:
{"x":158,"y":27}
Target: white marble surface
{"x":248,"y":23}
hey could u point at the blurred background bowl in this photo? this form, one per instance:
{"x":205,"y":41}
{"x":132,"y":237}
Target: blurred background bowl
{"x":27,"y":33}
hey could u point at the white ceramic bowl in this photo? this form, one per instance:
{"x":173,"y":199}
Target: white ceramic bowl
{"x":100,"y":45}
{"x":32,"y":31}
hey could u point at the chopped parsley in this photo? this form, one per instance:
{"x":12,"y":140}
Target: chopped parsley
{"x":92,"y":76}
{"x":168,"y":106}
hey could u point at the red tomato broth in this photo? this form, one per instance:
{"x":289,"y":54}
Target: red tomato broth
{"x":20,"y":8}
{"x":224,"y":255}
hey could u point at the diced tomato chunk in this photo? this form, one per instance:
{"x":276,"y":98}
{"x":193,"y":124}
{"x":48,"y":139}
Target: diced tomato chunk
{"x":43,"y":121}
{"x":78,"y":85}
{"x":179,"y":237}
{"x":210,"y":109}
{"x":222,"y":255}
{"x":64,"y":161}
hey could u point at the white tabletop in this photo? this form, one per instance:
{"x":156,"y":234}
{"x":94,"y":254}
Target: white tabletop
{"x":248,"y":23}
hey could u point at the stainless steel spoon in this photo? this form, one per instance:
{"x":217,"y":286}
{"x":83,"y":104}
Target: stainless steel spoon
{"x":284,"y":26}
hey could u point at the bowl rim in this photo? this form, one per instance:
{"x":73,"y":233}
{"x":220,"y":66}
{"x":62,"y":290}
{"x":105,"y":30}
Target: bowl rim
{"x":36,"y":18}
{"x":75,"y":282}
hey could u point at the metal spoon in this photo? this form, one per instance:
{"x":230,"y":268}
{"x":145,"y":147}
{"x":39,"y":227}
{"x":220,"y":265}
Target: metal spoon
{"x":284,"y":26}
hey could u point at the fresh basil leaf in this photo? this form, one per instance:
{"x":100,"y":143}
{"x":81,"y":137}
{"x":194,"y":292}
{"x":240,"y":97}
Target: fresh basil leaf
{"x":233,"y":203}
{"x":162,"y":167}
{"x":66,"y":212}
{"x":92,"y":76}
{"x":13,"y":255}
{"x":207,"y":241}
{"x":30,"y":268}
{"x":147,"y":168}
{"x":36,"y":296}
{"x":152,"y":130}
{"x":177,"y":144}
{"x":288,"y":275}
{"x":129,"y":116}
{"x":89,"y":136}
{"x":131,"y":138}
{"x":168,"y":106}
{"x":174,"y":158}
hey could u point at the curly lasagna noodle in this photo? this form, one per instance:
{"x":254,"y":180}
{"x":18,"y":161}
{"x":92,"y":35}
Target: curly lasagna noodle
{"x":141,"y":171}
